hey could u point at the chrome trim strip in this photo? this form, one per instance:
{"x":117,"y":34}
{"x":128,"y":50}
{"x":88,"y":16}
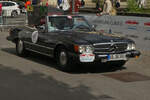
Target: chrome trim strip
{"x":102,"y":55}
{"x":109,"y":52}
{"x":39,"y":45}
{"x":114,"y":59}
{"x":110,"y":43}
{"x":39,"y":52}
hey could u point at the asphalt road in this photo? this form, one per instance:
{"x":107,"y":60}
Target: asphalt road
{"x":35,"y":77}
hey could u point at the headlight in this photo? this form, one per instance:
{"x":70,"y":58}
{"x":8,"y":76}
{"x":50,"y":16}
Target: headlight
{"x":86,"y":49}
{"x":131,"y":46}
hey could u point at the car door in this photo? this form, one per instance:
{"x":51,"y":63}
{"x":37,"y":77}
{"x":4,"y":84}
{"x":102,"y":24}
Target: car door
{"x":30,"y":37}
{"x":40,"y":40}
{"x":46,"y":42}
{"x":47,"y":39}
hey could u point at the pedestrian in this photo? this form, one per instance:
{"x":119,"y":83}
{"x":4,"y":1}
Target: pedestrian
{"x":0,"y":9}
{"x":97,"y":4}
{"x":141,"y":3}
{"x":117,"y":3}
{"x":28,"y":3}
{"x":82,"y":3}
{"x":59,"y":4}
{"x":98,"y":7}
{"x":47,"y":3}
{"x":64,"y":5}
{"x":1,"y":20}
{"x":77,"y":4}
{"x":107,"y":7}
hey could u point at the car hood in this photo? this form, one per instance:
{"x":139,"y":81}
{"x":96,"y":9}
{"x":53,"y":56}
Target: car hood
{"x":95,"y":37}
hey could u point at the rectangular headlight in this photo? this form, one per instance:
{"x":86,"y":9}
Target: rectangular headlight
{"x":86,"y":49}
{"x":131,"y":46}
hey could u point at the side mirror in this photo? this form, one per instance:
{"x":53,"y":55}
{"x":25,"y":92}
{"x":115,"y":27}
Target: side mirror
{"x":41,"y":28}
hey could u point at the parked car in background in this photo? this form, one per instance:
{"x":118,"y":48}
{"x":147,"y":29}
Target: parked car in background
{"x":10,"y":8}
{"x":21,"y":6}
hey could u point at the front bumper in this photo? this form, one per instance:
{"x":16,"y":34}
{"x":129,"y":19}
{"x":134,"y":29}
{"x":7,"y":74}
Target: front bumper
{"x":128,"y":55}
{"x":104,"y":57}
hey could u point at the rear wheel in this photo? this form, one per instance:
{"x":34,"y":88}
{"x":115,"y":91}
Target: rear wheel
{"x":63,"y":60}
{"x":20,"y":49}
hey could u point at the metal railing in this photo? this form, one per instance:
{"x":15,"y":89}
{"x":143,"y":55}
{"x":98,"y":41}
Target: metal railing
{"x":7,"y":21}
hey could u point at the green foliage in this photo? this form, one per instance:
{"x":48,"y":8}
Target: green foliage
{"x":132,"y":6}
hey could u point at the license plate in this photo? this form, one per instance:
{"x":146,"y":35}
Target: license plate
{"x":116,"y":57}
{"x":87,"y":57}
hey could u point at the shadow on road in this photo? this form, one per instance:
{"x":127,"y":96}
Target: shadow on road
{"x":14,"y":85}
{"x":78,"y":68}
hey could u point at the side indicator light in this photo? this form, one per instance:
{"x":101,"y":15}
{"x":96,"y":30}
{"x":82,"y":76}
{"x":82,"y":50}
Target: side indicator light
{"x":136,"y":56}
{"x":76,"y":48}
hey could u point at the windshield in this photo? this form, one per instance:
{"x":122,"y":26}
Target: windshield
{"x":67,"y":23}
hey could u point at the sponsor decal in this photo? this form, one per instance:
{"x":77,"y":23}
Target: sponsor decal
{"x":109,"y":22}
{"x":132,"y":28}
{"x":130,"y":22}
{"x":147,"y":25}
{"x":35,"y":36}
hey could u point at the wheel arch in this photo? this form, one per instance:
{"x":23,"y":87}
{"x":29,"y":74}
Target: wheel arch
{"x":57,"y":48}
{"x":15,"y":34}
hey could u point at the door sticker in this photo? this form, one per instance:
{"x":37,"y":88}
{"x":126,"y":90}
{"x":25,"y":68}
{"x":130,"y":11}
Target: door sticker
{"x":35,"y":36}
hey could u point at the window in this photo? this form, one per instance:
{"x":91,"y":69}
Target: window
{"x":6,"y":4}
{"x":11,"y":4}
{"x":67,"y":23}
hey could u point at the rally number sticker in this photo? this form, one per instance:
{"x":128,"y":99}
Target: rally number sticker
{"x":35,"y":36}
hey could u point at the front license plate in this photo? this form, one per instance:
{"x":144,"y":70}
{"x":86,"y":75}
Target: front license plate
{"x":87,"y":57}
{"x":116,"y":57}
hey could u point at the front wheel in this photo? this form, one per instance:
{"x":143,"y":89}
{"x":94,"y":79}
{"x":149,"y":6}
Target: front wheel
{"x":63,"y":60}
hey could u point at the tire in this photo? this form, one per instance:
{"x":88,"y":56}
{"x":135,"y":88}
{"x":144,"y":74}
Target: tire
{"x":20,"y":49}
{"x":14,"y":13}
{"x":63,"y":60}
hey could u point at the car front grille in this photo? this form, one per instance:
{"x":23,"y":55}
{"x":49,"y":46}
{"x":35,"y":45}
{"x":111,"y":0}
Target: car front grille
{"x":114,"y":47}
